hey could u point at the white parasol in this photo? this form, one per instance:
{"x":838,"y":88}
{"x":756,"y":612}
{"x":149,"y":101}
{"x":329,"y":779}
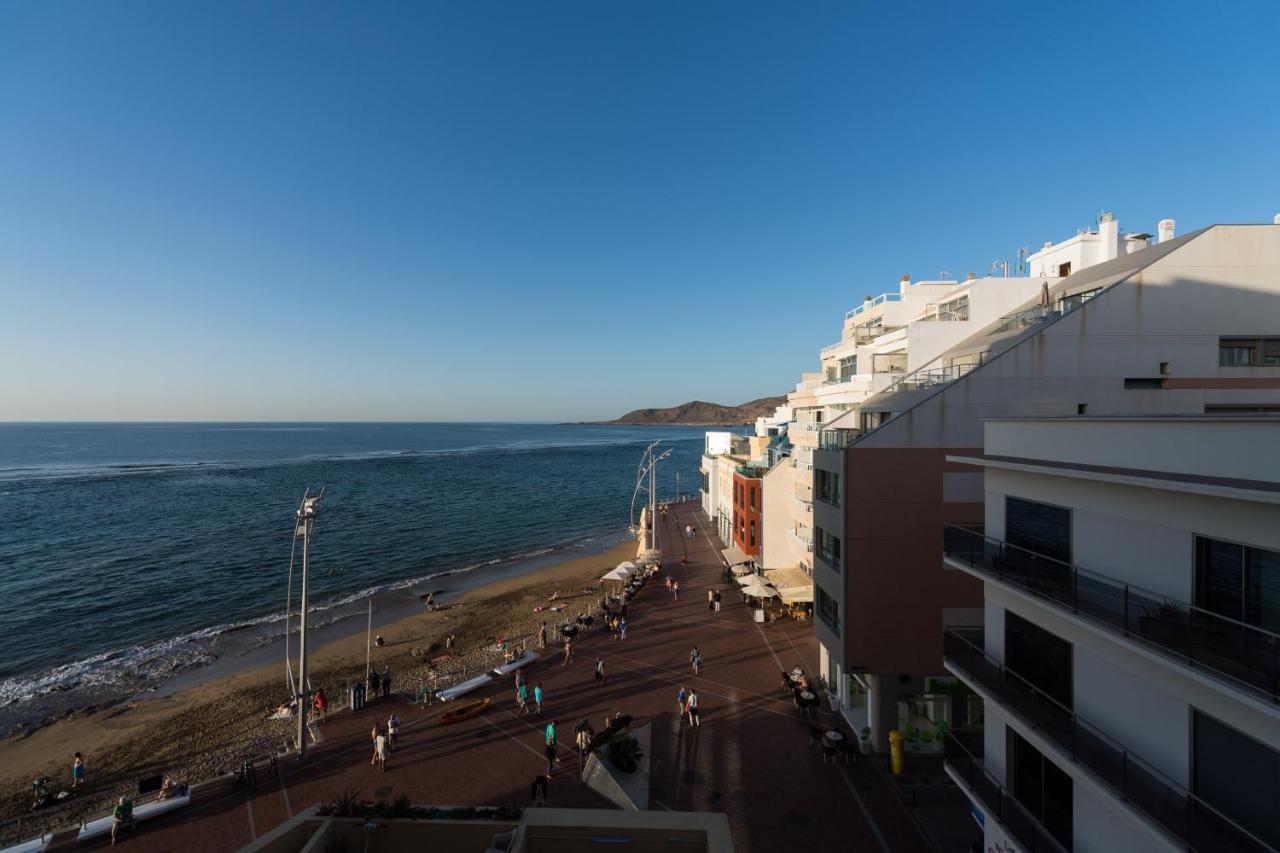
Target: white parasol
{"x":615,"y":575}
{"x":759,"y":589}
{"x":740,"y":569}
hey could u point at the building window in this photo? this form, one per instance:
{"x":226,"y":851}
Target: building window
{"x":753,"y":534}
{"x":706,"y":482}
{"x":735,"y":491}
{"x":1064,"y":270}
{"x":1249,"y":352}
{"x":848,"y":366}
{"x":1037,"y":527}
{"x":829,"y":487}
{"x":828,"y":610}
{"x":1038,"y":658}
{"x":1236,"y":775}
{"x":753,"y":498}
{"x":1238,"y":582}
{"x":1041,"y":786}
{"x":828,"y":548}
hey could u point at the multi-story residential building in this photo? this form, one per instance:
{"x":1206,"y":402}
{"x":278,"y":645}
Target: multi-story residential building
{"x":728,"y":460}
{"x":748,"y":508}
{"x":1127,"y":668}
{"x":1186,"y":326}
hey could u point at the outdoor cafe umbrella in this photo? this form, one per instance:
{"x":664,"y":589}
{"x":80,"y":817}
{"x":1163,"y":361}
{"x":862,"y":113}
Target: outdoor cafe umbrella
{"x":618,"y":574}
{"x":627,"y":567}
{"x":740,"y":569}
{"x":759,"y":589}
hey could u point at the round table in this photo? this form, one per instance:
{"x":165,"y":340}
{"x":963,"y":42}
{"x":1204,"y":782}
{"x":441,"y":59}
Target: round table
{"x":807,"y":696}
{"x":834,"y":737}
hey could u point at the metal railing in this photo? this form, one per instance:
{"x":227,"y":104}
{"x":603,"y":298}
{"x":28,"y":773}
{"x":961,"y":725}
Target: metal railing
{"x":996,"y":800}
{"x":1196,"y":824}
{"x":1245,"y":656}
{"x":931,"y":377}
{"x":879,"y":300}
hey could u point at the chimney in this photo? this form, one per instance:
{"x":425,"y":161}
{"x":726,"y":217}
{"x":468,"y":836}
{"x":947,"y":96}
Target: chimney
{"x":1109,"y":234}
{"x":1165,"y":230}
{"x":903,"y":284}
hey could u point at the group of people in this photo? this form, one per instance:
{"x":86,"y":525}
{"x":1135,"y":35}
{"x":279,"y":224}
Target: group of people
{"x":385,"y":739}
{"x":523,"y":699}
{"x":687,"y":703}
{"x":673,"y":586}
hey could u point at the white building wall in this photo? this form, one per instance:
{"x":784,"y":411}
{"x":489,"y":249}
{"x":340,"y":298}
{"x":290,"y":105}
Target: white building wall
{"x":780,"y":550}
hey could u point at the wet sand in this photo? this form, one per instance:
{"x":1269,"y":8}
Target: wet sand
{"x":204,"y":729}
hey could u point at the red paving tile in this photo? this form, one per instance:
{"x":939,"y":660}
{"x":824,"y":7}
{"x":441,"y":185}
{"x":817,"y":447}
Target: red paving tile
{"x":750,"y":758}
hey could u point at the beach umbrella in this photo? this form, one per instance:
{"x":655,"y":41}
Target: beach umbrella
{"x":740,"y":569}
{"x":745,"y":579}
{"x":614,"y":575}
{"x":627,"y":566}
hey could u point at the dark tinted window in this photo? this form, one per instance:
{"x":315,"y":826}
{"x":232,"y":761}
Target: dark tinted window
{"x":1238,"y":776}
{"x":1038,"y":527}
{"x":1038,"y":657}
{"x":1239,"y":582}
{"x":1042,"y":787}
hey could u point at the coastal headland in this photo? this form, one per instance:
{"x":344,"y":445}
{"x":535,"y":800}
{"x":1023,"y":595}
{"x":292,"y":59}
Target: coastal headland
{"x":207,"y":728}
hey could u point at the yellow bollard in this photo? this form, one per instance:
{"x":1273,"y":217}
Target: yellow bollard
{"x":895,"y":752}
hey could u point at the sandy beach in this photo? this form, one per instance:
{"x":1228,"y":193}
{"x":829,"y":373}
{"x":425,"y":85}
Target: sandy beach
{"x":206,"y":729}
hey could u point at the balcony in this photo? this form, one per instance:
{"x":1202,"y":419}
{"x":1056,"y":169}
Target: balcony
{"x":751,"y":472}
{"x":932,"y":377}
{"x":995,"y":799}
{"x":1193,"y":822}
{"x":879,"y":300}
{"x":837,"y":439}
{"x":1242,"y":655}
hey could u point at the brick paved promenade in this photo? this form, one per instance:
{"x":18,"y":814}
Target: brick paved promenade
{"x":750,"y":758}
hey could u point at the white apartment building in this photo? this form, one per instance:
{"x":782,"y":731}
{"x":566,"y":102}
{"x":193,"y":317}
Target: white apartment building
{"x":1189,"y":326}
{"x":1127,"y":670}
{"x":723,"y":452}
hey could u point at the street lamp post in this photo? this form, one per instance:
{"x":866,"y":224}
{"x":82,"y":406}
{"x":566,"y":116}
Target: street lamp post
{"x":305,"y":519}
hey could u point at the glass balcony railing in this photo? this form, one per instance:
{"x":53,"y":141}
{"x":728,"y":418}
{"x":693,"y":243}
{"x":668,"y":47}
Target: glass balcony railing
{"x":754,"y":472}
{"x":836,"y":439}
{"x":879,"y":300}
{"x":995,"y":799}
{"x":1243,"y":655}
{"x":1197,"y":825}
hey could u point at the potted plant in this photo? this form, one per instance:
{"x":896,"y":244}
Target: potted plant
{"x":864,"y":740}
{"x":625,"y":754}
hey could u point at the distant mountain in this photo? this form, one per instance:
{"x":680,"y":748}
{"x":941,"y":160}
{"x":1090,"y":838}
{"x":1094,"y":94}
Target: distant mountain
{"x":698,"y":413}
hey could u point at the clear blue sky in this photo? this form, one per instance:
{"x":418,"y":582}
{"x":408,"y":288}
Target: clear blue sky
{"x":547,"y":211}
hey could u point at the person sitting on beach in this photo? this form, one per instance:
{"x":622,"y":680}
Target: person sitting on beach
{"x":168,"y":788}
{"x":378,"y":641}
{"x":121,"y":815}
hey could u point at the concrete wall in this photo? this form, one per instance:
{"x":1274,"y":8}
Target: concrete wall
{"x":779,"y":550}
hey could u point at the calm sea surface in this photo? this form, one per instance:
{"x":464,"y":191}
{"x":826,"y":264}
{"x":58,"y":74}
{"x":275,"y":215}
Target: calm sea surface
{"x":126,"y":550}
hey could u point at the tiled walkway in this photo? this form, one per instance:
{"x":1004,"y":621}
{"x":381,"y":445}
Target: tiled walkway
{"x":750,"y":757}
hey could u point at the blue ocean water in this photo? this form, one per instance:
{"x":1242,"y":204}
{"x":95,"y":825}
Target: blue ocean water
{"x":124,"y":545}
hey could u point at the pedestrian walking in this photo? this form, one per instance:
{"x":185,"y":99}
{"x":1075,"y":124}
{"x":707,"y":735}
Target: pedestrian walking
{"x":568,"y":651}
{"x":77,"y":770}
{"x":622,"y":629}
{"x":583,"y":742}
{"x":386,"y":681}
{"x":553,"y":757}
{"x":695,"y":660}
{"x":681,"y":698}
{"x":537,"y":698}
{"x":675,"y":589}
{"x":688,"y":531}
{"x":393,"y":731}
{"x":684,"y":561}
{"x":600,"y":671}
{"x":715,"y":601}
{"x":121,"y":815}
{"x":380,"y":751}
{"x":373,"y":736}
{"x":538,"y":790}
{"x":692,"y":705}
{"x":711,"y":599}
{"x":542,"y":635}
{"x":522,"y":699}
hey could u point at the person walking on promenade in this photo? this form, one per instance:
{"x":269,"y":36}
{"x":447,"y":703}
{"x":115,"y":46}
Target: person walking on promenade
{"x":692,"y":705}
{"x":77,"y":771}
{"x":681,"y":698}
{"x":715,"y":601}
{"x":695,"y":660}
{"x":537,"y":699}
{"x":684,"y":561}
{"x":583,"y":741}
{"x":688,"y":531}
{"x":568,"y":652}
{"x":538,"y":790}
{"x":393,"y":731}
{"x":386,"y":681}
{"x":675,"y":590}
{"x":552,"y":757}
{"x":380,"y":751}
{"x":542,"y":635}
{"x":322,"y":706}
{"x":600,"y":672}
{"x":373,"y":736}
{"x":522,"y":698}
{"x":711,"y":599}
{"x":622,"y":629}
{"x":668,"y":583}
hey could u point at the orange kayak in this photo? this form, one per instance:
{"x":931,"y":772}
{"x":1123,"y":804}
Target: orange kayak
{"x":464,"y":712}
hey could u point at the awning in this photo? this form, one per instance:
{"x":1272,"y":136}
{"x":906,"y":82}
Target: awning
{"x":733,"y":555}
{"x":793,"y":585}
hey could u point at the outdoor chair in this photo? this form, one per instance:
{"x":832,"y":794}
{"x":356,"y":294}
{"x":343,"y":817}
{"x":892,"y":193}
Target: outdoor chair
{"x":849,"y":752}
{"x":828,"y":751}
{"x":815,"y":734}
